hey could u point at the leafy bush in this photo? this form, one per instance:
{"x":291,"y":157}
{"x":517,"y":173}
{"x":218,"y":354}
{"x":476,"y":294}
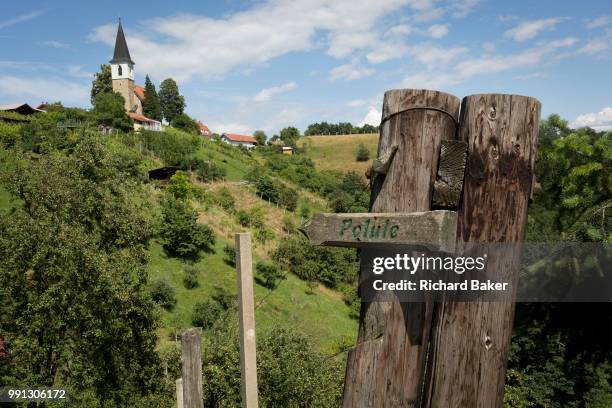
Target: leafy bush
{"x":289,"y":226}
{"x":205,"y":313}
{"x":331,"y":266}
{"x":163,"y":293}
{"x":263,"y":235}
{"x":208,"y":171}
{"x":190,"y":278}
{"x":179,"y":186}
{"x":109,"y":110}
{"x":269,"y":275}
{"x":253,"y":217}
{"x":224,"y":199}
{"x":363,"y":154}
{"x":276,"y":192}
{"x":229,"y":255}
{"x":291,"y":372}
{"x":186,"y":123}
{"x":180,"y":232}
{"x":173,"y":147}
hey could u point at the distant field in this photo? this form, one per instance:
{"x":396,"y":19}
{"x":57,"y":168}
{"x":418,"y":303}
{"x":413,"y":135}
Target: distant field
{"x":339,"y":152}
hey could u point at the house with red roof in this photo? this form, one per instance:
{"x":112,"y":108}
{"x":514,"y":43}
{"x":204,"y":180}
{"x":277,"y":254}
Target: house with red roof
{"x":239,"y":140}
{"x":204,"y":130}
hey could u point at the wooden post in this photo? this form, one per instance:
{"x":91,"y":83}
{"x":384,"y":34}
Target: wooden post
{"x":471,"y":340}
{"x":179,"y":393}
{"x":191,"y":356}
{"x":386,"y":368}
{"x":246,"y":310}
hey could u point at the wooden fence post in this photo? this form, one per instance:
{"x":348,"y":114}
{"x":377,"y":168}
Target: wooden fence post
{"x":179,"y":393}
{"x":191,"y":357}
{"x":386,"y":367}
{"x":471,"y":340}
{"x":246,"y":310}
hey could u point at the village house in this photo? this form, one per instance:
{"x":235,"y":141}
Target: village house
{"x":239,"y":140}
{"x":122,"y":73}
{"x":204,"y":130}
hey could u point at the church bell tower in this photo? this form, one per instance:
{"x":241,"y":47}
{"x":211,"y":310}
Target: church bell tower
{"x":122,"y":72}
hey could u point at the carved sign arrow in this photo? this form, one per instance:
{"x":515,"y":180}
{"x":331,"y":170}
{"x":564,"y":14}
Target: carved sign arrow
{"x":433,"y":229}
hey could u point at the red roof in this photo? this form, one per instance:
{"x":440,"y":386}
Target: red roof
{"x":140,"y":118}
{"x":240,"y":138}
{"x":203,"y":128}
{"x":139,"y":91}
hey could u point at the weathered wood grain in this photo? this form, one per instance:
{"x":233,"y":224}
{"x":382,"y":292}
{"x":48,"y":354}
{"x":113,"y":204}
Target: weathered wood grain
{"x":449,"y":179}
{"x":433,"y":229}
{"x":386,"y":368}
{"x":246,"y":312}
{"x":179,"y":393}
{"x":191,"y":357}
{"x":470,"y":341}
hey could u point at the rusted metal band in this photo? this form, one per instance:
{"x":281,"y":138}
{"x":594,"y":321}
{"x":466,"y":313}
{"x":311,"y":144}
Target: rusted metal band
{"x":455,"y":121}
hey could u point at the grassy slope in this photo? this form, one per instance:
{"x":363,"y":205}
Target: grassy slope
{"x":322,"y":315}
{"x":338,"y":152}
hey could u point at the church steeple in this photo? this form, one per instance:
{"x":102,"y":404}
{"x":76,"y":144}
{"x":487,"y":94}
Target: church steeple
{"x":122,"y":53}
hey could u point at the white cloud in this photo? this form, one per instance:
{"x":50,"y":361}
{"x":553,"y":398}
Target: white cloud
{"x":266,"y":93}
{"x":371,"y":118}
{"x":231,"y":127}
{"x":532,"y":75}
{"x":488,"y":46}
{"x":598,"y":22}
{"x":431,"y":55}
{"x":350,"y":72}
{"x":401,"y":29}
{"x":187,"y":45}
{"x":486,"y":64}
{"x":35,"y":90}
{"x":597,"y":46}
{"x":20,"y":19}
{"x":461,"y":8}
{"x":387,"y":51}
{"x":601,"y":120}
{"x":55,"y":44}
{"x":438,"y":30}
{"x":529,"y":29}
{"x":356,"y":102}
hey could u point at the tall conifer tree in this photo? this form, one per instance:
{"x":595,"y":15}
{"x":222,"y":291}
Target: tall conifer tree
{"x":151,"y":107}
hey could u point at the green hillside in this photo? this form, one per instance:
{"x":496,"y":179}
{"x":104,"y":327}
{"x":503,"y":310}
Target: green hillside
{"x":339,"y":152}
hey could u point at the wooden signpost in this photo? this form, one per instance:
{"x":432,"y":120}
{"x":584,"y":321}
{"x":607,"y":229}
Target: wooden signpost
{"x":191,"y":356}
{"x":433,"y":229}
{"x":421,"y":166}
{"x":246,"y":312}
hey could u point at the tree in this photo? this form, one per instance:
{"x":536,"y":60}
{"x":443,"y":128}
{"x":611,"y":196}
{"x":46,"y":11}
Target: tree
{"x":172,"y":103}
{"x":163,"y":293}
{"x":109,"y":110}
{"x":261,"y":137}
{"x":290,"y":135}
{"x":102,"y":83}
{"x":180,"y":231}
{"x":151,"y":107}
{"x":184,"y":122}
{"x":363,"y":154}
{"x":73,"y":277}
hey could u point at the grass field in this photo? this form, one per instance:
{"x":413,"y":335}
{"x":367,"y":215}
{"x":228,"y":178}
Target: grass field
{"x":339,"y":152}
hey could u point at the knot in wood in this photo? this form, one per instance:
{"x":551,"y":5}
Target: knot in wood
{"x":488,"y":342}
{"x":492,"y":113}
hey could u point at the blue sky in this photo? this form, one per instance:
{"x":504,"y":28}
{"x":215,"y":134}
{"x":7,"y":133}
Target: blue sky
{"x":246,"y":65}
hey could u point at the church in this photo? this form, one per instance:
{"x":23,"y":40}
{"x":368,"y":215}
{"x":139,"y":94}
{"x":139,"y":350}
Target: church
{"x":122,"y":73}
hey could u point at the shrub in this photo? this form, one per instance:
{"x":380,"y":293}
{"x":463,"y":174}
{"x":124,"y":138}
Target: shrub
{"x":208,"y":171}
{"x":185,"y":123}
{"x":170,"y":146}
{"x":179,"y":185}
{"x":180,"y":232}
{"x":229,"y":255}
{"x":190,"y":279}
{"x":269,"y":275}
{"x":289,"y":226}
{"x":224,"y":199}
{"x":163,"y":293}
{"x":253,"y":217}
{"x":363,"y":154}
{"x":205,"y":313}
{"x":263,"y":235}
